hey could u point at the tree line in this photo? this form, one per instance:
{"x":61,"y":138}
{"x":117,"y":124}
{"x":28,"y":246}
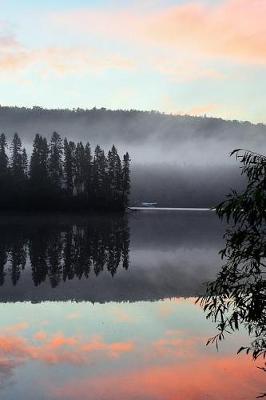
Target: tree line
{"x":62,"y":175}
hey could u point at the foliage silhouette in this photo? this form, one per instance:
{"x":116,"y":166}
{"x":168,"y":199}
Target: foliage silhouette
{"x":238,"y":295}
{"x":62,"y":176}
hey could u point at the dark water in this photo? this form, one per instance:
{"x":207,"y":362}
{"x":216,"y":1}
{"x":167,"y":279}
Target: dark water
{"x":103,"y":308}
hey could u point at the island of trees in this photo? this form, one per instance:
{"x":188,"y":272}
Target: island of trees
{"x":62,"y":175}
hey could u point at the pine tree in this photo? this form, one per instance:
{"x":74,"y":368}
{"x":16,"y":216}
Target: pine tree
{"x":3,"y":156}
{"x":114,"y":174}
{"x":16,"y":165}
{"x":88,"y":169}
{"x":51,"y":180}
{"x":99,"y":178}
{"x":55,"y":161}
{"x":39,"y":162}
{"x":102,"y":173}
{"x":5,"y":183}
{"x":118,"y":176}
{"x":111,"y":172}
{"x":69,"y":166}
{"x":80,"y":168}
{"x":24,"y":163}
{"x":126,"y":179}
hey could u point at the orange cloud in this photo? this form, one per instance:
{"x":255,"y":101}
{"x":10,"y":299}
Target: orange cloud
{"x":60,"y":340}
{"x":232,"y":28}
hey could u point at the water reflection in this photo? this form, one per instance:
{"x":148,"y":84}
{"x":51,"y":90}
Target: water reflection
{"x":100,"y":259}
{"x":58,"y":253}
{"x":118,"y":339}
{"x":144,"y":351}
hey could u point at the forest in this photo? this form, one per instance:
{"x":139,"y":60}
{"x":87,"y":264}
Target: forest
{"x":62,"y":176}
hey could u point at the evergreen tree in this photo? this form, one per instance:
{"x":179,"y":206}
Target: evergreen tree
{"x":16,"y":164}
{"x":80,"y":168}
{"x":24,"y":163}
{"x":61,"y":171}
{"x":40,"y":187}
{"x":69,"y":166}
{"x":118,"y":176}
{"x":39,"y":162}
{"x":3,"y":155}
{"x":126,"y":179}
{"x":115,"y":179}
{"x":55,"y":161}
{"x":111,"y":172}
{"x":99,"y":172}
{"x":102,"y":173}
{"x":88,"y":169}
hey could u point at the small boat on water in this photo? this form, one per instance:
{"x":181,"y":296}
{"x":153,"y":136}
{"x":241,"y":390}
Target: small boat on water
{"x":142,"y":206}
{"x":145,"y":204}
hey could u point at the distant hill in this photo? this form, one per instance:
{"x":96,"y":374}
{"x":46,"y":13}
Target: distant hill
{"x":175,"y":159}
{"x":132,"y":127}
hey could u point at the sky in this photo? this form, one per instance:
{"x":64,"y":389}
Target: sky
{"x":176,"y":56}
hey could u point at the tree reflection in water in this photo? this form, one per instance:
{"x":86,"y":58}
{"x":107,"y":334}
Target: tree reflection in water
{"x":60,"y":252}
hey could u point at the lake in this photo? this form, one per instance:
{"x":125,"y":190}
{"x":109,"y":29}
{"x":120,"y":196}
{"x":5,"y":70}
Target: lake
{"x":103,"y":308}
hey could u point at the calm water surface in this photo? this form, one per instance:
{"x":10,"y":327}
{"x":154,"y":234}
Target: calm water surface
{"x":102,"y":308}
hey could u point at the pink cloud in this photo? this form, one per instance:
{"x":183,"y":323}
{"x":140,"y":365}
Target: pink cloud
{"x":188,"y":70}
{"x":41,"y":336}
{"x":8,"y":41}
{"x":113,"y":350}
{"x":173,"y":344}
{"x":59,"y":349}
{"x":61,"y":61}
{"x":60,"y":340}
{"x":203,"y":109}
{"x":221,"y":378}
{"x":16,"y":328}
{"x":233,"y":29}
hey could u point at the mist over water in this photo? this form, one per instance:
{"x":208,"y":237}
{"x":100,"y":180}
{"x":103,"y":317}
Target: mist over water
{"x":176,"y":160}
{"x":148,"y":256}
